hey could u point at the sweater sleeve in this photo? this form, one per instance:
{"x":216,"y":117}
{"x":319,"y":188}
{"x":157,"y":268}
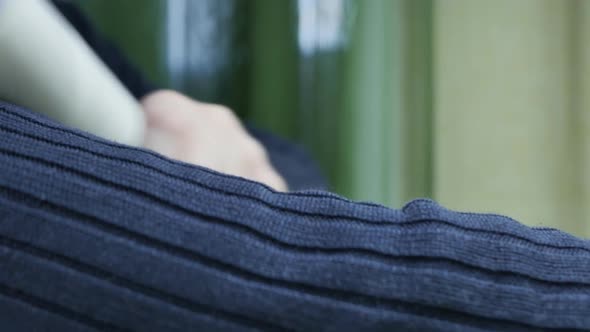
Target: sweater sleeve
{"x":112,"y":56}
{"x":100,"y":236}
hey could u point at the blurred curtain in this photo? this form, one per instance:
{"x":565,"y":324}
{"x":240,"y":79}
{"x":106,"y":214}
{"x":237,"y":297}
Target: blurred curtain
{"x":351,"y":79}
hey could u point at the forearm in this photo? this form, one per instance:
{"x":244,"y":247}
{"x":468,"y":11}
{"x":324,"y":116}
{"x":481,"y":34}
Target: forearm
{"x":115,"y":237}
{"x":46,"y":66}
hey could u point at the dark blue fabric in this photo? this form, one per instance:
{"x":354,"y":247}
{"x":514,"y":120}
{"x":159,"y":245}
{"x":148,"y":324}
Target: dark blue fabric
{"x":99,"y":236}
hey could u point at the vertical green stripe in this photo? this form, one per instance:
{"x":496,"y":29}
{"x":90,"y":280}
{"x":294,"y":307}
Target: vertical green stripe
{"x":417,"y":90}
{"x":367,"y":105}
{"x":395,"y":133}
{"x":274,"y":66}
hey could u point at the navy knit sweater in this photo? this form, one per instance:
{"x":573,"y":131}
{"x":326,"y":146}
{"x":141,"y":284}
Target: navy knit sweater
{"x":100,"y":236}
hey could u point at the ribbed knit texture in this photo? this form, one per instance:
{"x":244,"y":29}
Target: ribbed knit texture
{"x":99,"y":236}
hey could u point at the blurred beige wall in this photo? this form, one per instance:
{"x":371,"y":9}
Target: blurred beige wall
{"x":511,"y":107}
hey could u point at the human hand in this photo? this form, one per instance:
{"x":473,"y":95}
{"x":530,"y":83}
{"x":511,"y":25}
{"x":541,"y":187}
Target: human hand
{"x":207,"y":135}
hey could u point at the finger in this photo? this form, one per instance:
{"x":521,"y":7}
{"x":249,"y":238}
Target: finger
{"x":272,"y":179}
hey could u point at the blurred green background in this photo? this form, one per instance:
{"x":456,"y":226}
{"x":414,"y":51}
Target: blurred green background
{"x":480,"y":104}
